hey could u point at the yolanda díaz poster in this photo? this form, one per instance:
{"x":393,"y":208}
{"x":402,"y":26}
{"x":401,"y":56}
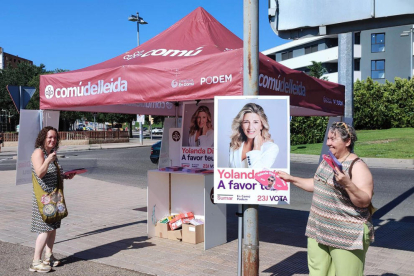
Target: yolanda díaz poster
{"x":252,"y":143}
{"x":197,"y":150}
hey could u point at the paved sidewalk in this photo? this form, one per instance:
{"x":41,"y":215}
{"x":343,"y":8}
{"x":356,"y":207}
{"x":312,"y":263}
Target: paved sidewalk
{"x":107,"y":224}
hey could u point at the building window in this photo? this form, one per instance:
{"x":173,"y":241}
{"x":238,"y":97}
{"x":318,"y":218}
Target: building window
{"x":311,"y":49}
{"x":377,"y":43}
{"x":357,"y":64}
{"x":287,"y":55}
{"x":357,"y":38}
{"x":378,"y":69}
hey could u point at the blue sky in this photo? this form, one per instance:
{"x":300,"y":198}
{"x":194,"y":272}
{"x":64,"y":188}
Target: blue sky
{"x":75,"y":34}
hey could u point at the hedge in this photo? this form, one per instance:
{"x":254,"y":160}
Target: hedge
{"x":376,"y":106}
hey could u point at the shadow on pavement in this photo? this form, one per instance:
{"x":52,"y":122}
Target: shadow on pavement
{"x":392,"y":204}
{"x":102,"y":230}
{"x":287,"y":227}
{"x":109,"y":249}
{"x":293,"y":265}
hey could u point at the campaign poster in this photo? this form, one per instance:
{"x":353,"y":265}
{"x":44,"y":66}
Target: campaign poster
{"x":197,"y":148}
{"x":252,"y":143}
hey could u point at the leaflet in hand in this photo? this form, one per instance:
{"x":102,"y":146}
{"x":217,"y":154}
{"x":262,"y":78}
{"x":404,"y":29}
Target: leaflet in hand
{"x":336,"y":161}
{"x":271,"y":180}
{"x":76,"y":171}
{"x":332,"y":161}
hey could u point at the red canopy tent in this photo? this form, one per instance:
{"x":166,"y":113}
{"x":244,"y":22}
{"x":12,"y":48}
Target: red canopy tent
{"x":197,"y":58}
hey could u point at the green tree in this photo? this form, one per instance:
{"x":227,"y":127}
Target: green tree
{"x":317,"y":70}
{"x":23,"y":75}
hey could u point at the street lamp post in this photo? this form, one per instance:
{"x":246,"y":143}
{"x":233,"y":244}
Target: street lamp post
{"x":139,"y":20}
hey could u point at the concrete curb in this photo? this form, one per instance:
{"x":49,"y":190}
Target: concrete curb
{"x":388,"y":163}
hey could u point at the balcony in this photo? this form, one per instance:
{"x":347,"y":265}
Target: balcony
{"x":333,"y":77}
{"x":329,"y":55}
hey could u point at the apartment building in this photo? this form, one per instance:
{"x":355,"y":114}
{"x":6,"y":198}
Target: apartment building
{"x":381,"y":54}
{"x":11,"y":60}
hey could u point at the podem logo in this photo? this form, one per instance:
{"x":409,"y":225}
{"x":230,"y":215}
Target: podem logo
{"x":49,"y":91}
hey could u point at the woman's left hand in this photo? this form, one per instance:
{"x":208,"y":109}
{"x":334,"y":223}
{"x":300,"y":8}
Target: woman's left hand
{"x":340,"y":177}
{"x":70,"y":176}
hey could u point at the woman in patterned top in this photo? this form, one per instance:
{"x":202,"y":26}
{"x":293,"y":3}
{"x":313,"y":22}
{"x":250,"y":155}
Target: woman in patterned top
{"x":339,"y":228}
{"x":45,"y":171}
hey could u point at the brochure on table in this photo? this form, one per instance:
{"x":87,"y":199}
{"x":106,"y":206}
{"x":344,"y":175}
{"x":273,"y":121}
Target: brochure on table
{"x":197,"y":147}
{"x":252,"y":143}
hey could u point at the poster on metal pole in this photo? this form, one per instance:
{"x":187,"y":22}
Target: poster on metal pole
{"x":252,"y":143}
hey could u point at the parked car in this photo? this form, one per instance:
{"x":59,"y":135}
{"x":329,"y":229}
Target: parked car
{"x":155,"y":152}
{"x":157,"y":131}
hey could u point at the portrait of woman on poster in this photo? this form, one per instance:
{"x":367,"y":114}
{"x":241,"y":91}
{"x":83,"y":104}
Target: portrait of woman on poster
{"x":201,"y":129}
{"x":251,"y":145}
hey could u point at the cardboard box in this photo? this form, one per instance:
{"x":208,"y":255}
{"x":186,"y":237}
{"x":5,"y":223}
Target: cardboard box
{"x":193,"y":234}
{"x":161,"y":230}
{"x":187,"y":220}
{"x":175,"y":235}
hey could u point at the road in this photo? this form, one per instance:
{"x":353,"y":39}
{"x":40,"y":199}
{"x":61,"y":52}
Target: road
{"x":394,"y":189}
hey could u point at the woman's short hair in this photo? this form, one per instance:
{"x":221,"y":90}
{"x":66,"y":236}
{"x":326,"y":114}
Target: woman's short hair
{"x":41,"y":137}
{"x":238,"y":137}
{"x":346,"y":132}
{"x":194,"y":126}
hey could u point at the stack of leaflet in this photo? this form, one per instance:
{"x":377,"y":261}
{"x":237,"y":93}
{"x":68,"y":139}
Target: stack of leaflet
{"x":173,"y":169}
{"x":193,"y":170}
{"x":197,"y":170}
{"x":207,"y":171}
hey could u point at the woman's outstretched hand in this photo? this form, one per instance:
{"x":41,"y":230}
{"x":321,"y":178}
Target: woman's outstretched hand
{"x":70,"y":176}
{"x":285,"y":176}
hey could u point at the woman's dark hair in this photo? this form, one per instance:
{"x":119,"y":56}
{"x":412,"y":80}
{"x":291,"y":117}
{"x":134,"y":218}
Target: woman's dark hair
{"x":346,"y":132}
{"x":41,"y":137}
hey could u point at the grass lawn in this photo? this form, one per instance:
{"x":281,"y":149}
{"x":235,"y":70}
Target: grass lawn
{"x":387,"y":143}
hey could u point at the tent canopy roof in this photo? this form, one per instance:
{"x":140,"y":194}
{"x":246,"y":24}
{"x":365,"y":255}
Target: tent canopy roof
{"x":195,"y":59}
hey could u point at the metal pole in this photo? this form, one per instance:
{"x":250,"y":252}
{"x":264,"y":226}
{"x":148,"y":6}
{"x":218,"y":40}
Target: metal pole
{"x":346,"y":70}
{"x":240,"y":235}
{"x":138,"y":28}
{"x":411,"y":53}
{"x":251,"y":87}
{"x":141,"y":132}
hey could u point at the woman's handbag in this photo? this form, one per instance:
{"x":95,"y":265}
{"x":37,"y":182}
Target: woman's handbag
{"x":52,"y":206}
